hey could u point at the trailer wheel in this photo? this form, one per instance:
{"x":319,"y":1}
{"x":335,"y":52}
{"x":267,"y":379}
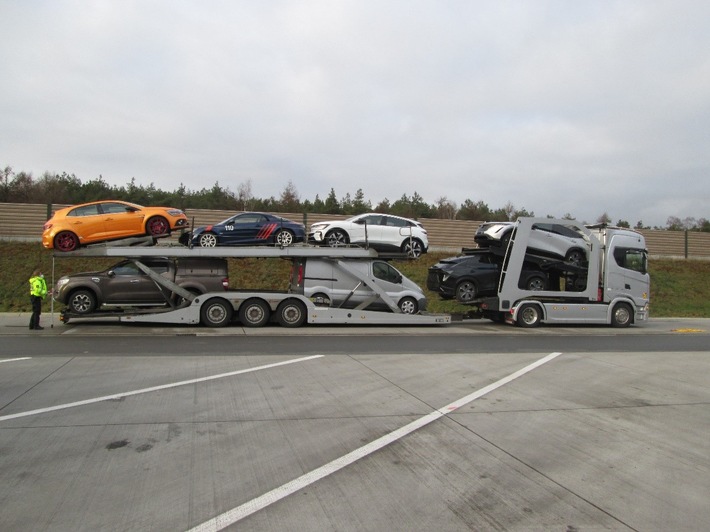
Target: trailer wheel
{"x":291,"y":313}
{"x":621,"y":315}
{"x":254,"y":313}
{"x":82,"y":302}
{"x":216,"y":312}
{"x":529,"y":315}
{"x":408,"y":305}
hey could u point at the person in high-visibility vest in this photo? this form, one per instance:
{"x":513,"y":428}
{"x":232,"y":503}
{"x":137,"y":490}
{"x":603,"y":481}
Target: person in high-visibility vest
{"x":38,"y":291}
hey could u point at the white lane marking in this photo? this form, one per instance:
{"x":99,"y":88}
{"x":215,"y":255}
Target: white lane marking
{"x":240,"y":512}
{"x":14,"y":359}
{"x":154,"y":388}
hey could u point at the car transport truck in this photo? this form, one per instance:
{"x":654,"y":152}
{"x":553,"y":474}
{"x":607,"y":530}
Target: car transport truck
{"x":256,"y":308}
{"x":612,"y":287}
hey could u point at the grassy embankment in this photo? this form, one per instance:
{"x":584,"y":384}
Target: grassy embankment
{"x":679,"y":288}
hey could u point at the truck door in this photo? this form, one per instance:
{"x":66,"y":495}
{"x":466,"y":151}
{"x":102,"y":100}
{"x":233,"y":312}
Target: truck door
{"x":628,"y":274}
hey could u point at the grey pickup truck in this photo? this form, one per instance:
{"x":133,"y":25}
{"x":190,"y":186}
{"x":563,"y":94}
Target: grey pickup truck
{"x":125,"y":285}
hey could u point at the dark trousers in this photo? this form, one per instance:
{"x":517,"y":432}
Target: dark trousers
{"x":36,"y":311}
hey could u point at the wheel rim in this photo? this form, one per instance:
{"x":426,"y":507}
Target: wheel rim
{"x":285,"y":238}
{"x":536,"y":283}
{"x":529,"y":316}
{"x":157,"y":226}
{"x":81,"y":303}
{"x":337,"y":239}
{"x":291,"y":313}
{"x":254,"y":314}
{"x":466,"y":292}
{"x":216,"y":314}
{"x":208,"y":240}
{"x":575,"y":257}
{"x":408,"y":306}
{"x":65,"y":242}
{"x":622,"y":315}
{"x":413,"y":249}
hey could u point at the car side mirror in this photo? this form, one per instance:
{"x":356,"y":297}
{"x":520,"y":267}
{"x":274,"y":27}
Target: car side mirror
{"x":111,"y":273}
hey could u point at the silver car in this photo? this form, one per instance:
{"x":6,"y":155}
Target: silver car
{"x":556,"y":240}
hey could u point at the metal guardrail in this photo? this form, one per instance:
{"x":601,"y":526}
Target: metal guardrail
{"x":24,"y":221}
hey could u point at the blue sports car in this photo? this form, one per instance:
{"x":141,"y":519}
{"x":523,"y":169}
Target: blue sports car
{"x":247,"y":229}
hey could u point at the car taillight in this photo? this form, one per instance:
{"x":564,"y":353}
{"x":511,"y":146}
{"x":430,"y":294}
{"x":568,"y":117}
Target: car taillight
{"x":46,"y":226}
{"x":225,"y":283}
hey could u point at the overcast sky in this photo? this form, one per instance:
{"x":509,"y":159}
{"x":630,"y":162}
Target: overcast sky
{"x":579,"y":107}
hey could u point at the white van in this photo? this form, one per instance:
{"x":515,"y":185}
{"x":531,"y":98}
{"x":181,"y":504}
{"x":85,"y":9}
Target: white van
{"x":356,"y":283}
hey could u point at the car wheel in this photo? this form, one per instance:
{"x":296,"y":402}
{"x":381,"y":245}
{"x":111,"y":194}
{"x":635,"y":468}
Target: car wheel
{"x":254,"y":313}
{"x":66,"y":241}
{"x":408,"y":305}
{"x":207,"y":240}
{"x":216,"y":312}
{"x":536,"y":283}
{"x":320,"y":300}
{"x":284,"y":238}
{"x":575,"y":256}
{"x":621,"y":315}
{"x":413,"y":248}
{"x":82,"y":302}
{"x":291,"y":313}
{"x":157,"y":226}
{"x":529,"y":315}
{"x":466,"y":291}
{"x":337,"y":238}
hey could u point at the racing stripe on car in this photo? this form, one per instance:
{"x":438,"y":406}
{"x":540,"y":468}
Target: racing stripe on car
{"x":266,"y":231}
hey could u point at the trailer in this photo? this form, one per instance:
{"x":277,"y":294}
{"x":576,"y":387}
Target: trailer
{"x":611,"y":287}
{"x":254,"y":308}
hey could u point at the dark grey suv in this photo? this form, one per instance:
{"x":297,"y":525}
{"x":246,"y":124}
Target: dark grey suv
{"x":125,"y":285}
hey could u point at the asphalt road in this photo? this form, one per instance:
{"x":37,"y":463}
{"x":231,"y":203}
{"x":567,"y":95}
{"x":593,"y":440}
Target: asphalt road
{"x":474,"y":426}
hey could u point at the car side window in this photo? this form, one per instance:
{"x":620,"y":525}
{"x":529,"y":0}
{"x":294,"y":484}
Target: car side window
{"x":249,"y":219}
{"x":396,"y":222}
{"x":384,"y":271}
{"x":114,"y":208}
{"x":372,"y":219}
{"x":126,"y":268}
{"x":86,"y":210}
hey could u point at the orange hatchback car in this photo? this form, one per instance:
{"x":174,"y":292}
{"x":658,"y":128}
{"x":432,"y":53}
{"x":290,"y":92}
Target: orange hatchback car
{"x":101,"y":221}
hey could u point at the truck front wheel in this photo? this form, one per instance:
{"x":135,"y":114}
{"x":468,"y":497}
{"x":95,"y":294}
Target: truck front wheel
{"x":622,"y":315}
{"x":529,"y":315}
{"x":216,"y":313}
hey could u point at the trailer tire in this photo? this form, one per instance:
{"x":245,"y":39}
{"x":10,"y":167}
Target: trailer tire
{"x":621,"y":315}
{"x":291,"y":313}
{"x":529,"y":315}
{"x":216,"y":312}
{"x":254,"y":313}
{"x":82,"y":302}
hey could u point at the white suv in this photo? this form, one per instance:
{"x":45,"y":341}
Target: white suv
{"x":383,"y":232}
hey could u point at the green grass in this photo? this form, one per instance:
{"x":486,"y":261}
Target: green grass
{"x":679,"y":288}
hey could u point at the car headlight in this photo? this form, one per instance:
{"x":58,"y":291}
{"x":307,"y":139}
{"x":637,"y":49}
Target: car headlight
{"x":62,"y":282}
{"x":318,"y":227}
{"x":175,"y":212}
